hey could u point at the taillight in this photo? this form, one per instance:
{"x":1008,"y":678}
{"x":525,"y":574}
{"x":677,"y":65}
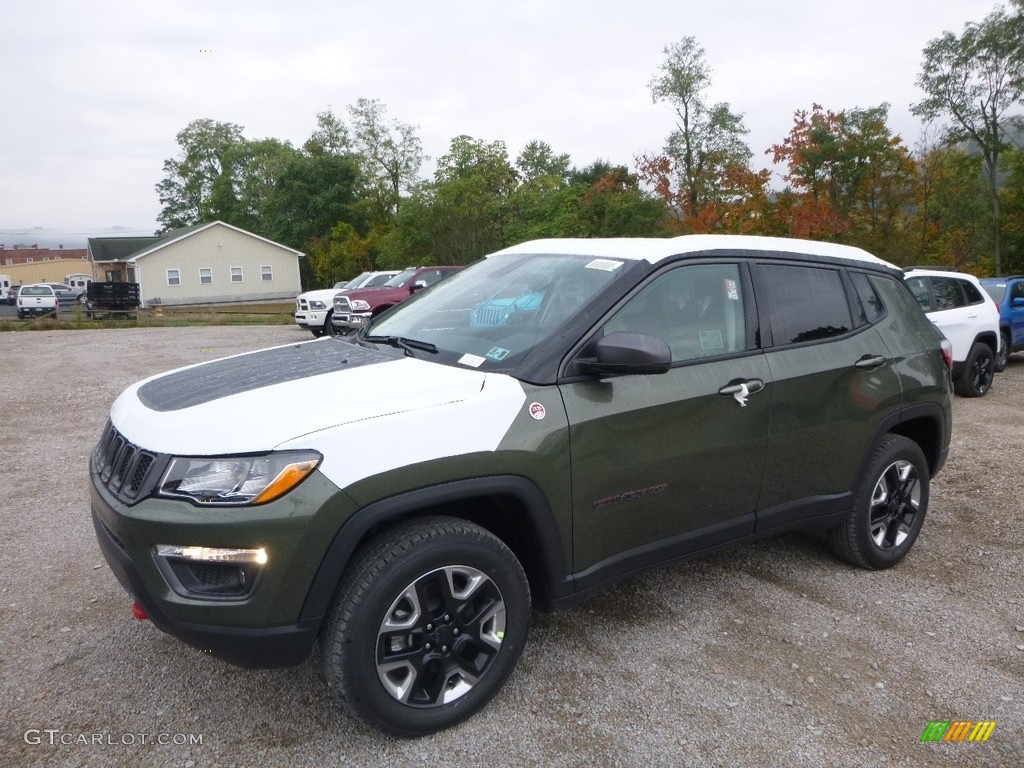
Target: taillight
{"x":947,"y":352}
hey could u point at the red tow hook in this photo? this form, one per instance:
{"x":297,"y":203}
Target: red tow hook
{"x":139,"y":612}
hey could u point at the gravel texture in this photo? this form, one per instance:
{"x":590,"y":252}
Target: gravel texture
{"x":775,"y":654}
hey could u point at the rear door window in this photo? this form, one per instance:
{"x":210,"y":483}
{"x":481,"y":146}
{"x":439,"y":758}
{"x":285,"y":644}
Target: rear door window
{"x":803,"y":303}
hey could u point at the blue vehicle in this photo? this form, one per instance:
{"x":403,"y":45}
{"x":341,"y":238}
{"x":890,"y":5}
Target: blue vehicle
{"x":1008,"y":294}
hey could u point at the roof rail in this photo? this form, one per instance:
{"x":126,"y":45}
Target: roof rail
{"x":933,"y":267}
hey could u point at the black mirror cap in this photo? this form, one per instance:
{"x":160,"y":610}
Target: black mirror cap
{"x":627,"y":352}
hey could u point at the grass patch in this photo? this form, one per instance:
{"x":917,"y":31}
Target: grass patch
{"x":75,"y":318}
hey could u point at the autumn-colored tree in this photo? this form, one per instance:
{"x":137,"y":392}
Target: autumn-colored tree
{"x":706,"y":141}
{"x":851,"y":177}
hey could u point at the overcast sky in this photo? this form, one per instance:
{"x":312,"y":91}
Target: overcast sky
{"x":94,"y":92}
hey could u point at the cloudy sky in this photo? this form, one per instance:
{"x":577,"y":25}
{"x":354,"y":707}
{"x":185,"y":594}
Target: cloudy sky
{"x":94,"y":92}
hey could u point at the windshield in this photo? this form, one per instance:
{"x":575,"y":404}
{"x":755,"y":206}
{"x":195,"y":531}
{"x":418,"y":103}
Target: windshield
{"x":400,"y":279}
{"x":492,"y":314}
{"x":995,"y":290}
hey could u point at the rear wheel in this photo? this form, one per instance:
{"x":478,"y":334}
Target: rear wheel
{"x":979,"y":369}
{"x":889,"y":507}
{"x":426,"y":627}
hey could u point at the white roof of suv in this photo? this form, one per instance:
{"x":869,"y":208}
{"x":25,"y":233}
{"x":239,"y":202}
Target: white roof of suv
{"x":656,"y":249}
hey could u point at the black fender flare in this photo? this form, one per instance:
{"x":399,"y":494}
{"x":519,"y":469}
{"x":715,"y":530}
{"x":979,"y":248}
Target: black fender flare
{"x":405,"y":505}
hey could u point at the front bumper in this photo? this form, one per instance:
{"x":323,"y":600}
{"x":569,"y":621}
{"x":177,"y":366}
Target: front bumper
{"x":310,"y":319}
{"x":350,"y":321}
{"x":266,"y":627}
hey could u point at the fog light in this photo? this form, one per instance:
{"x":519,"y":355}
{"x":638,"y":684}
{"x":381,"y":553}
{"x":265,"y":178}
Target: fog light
{"x":210,"y":573}
{"x":213,"y":555}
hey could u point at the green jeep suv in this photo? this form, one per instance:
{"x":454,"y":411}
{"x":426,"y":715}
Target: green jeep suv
{"x":557,"y":416}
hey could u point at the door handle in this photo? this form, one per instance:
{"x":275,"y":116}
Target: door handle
{"x":870,"y":362}
{"x":741,"y":389}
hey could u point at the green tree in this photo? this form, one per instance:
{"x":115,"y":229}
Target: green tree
{"x":392,"y":155}
{"x":952,"y":217}
{"x":246,"y":184}
{"x":707,"y":138}
{"x":973,"y":80}
{"x":330,"y":137}
{"x":186,"y":191}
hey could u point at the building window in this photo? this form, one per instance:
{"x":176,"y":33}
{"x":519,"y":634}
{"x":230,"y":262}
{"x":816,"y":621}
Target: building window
{"x":174,"y":277}
{"x":28,"y":259}
{"x":236,"y":274}
{"x":206,"y":276}
{"x":8,"y":261}
{"x":266,"y":273}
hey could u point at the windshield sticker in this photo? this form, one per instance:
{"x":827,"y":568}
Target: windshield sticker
{"x":605,"y":265}
{"x":473,"y":361}
{"x":537,"y":411}
{"x":730,"y":290}
{"x":497,"y":353}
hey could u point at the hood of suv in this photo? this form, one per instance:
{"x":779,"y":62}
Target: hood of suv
{"x":261,"y":400}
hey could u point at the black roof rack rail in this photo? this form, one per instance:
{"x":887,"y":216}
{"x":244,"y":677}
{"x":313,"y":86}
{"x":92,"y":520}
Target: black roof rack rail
{"x":933,"y":267}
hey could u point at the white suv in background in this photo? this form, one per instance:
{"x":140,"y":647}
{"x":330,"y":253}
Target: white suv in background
{"x":313,"y":309}
{"x":959,"y":307}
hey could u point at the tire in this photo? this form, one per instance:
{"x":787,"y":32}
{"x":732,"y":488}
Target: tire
{"x":1003,"y":356}
{"x":411,"y":669}
{"x":889,"y":507}
{"x":979,"y":369}
{"x":328,"y":325}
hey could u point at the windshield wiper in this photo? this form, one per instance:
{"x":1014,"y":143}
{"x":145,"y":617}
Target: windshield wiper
{"x":404,"y":343}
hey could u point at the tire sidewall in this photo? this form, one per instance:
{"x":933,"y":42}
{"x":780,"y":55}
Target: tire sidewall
{"x":891,"y":450}
{"x":367,"y":611}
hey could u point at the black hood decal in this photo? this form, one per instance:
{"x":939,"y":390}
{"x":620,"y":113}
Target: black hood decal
{"x":222,"y":378}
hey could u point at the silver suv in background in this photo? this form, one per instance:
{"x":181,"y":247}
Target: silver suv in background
{"x":959,"y":307}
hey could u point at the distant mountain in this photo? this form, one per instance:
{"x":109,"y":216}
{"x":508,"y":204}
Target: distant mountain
{"x":55,"y":238}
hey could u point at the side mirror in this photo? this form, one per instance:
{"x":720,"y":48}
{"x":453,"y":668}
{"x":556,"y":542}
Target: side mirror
{"x":419,"y":285}
{"x":1017,"y":302}
{"x":626,"y":352}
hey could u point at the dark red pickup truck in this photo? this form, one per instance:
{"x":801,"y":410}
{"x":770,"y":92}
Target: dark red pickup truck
{"x":353,"y":309}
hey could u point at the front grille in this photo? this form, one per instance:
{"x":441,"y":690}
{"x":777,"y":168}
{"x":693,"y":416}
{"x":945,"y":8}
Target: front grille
{"x":341,"y":303}
{"x":122,"y":468}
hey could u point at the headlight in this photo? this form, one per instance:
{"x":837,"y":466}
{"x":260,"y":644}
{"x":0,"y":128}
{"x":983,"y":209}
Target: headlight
{"x":317,"y":305}
{"x":360,"y":306}
{"x":237,"y":480}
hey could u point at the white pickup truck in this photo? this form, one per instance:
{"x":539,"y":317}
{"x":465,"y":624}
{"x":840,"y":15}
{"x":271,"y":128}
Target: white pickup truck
{"x":314,"y":309}
{"x":36,"y":300}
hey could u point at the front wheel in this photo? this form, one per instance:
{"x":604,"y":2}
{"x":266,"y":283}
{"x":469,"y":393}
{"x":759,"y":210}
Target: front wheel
{"x":979,"y":369}
{"x":426,"y":627}
{"x":889,"y":507}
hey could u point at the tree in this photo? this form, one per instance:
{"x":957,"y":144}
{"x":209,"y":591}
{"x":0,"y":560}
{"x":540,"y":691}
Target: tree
{"x":973,"y":80}
{"x":392,"y":154}
{"x":852,"y":179}
{"x":330,"y":137}
{"x":537,"y":162}
{"x":951,"y":215}
{"x":707,"y":138}
{"x":245,"y":186}
{"x":186,"y":191}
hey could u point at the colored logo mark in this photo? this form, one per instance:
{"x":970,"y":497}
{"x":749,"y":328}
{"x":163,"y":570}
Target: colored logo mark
{"x":958,"y":730}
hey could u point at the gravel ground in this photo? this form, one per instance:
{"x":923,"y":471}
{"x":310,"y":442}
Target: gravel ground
{"x":770,"y":655}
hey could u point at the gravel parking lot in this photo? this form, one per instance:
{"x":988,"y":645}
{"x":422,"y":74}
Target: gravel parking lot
{"x":774,"y":654}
